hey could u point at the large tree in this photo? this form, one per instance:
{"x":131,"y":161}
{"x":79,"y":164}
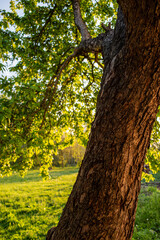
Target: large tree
{"x":103,"y":201}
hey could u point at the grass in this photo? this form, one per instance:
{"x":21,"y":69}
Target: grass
{"x":29,"y":206}
{"x":147,"y":224}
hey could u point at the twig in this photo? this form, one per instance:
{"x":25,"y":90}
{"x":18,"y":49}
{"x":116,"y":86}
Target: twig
{"x":90,"y":61}
{"x":64,"y":65}
{"x":106,"y":28}
{"x":47,"y":21}
{"x":97,"y":61}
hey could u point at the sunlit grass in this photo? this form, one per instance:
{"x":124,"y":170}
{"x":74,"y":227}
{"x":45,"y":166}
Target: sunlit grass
{"x":147,"y":224}
{"x":29,"y":206}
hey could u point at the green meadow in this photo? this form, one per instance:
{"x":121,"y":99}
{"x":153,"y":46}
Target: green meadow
{"x":30,"y":206}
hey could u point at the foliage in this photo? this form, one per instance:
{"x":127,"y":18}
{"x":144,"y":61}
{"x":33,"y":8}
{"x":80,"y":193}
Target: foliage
{"x":30,"y":206}
{"x":37,"y":103}
{"x":147,"y":224}
{"x":153,"y":154}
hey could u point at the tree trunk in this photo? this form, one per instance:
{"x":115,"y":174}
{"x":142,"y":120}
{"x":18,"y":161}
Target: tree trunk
{"x":103,"y":201}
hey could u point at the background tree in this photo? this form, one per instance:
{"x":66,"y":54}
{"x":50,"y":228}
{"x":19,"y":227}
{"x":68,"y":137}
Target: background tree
{"x":36,"y":102}
{"x":72,"y":155}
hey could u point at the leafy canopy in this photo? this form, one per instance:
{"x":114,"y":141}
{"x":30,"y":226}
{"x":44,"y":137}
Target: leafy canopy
{"x":40,"y":101}
{"x":35,"y":110}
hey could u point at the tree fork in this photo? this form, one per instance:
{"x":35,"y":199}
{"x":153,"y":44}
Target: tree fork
{"x":104,"y":198}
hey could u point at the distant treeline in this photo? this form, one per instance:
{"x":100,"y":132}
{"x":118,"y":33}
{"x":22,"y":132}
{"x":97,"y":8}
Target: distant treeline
{"x":69,"y":156}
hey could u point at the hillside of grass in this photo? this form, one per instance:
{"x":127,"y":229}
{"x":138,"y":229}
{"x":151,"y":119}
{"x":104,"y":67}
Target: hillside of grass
{"x":29,"y":207}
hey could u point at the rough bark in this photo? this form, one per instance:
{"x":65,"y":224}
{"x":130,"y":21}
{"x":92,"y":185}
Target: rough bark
{"x":103,"y":201}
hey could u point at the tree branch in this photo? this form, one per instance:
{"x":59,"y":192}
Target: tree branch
{"x":97,"y":61}
{"x":55,"y":83}
{"x":79,"y":21}
{"x":47,"y":21}
{"x":90,"y":45}
{"x":106,"y":28}
{"x":94,"y":45}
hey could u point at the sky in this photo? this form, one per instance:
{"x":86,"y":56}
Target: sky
{"x":4,"y":4}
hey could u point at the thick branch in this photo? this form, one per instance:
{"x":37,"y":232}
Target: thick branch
{"x":91,"y":45}
{"x":79,"y":21}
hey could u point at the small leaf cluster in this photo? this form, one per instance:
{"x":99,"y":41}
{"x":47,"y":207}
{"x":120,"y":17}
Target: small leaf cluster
{"x":153,"y":154}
